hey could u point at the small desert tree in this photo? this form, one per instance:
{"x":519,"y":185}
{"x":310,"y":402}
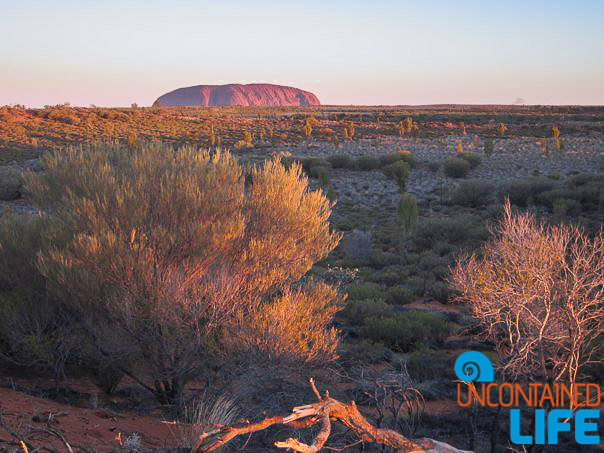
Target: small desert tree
{"x":538,"y":293}
{"x":174,"y":251}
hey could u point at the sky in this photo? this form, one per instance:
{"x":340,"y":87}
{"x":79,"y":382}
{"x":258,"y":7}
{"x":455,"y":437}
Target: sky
{"x":115,"y":53}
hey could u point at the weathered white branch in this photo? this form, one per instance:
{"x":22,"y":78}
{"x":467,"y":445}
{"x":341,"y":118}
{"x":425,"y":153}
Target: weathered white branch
{"x":326,"y":411}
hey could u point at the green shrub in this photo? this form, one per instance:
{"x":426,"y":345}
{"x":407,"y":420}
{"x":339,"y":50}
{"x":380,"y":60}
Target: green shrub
{"x":440,"y":291}
{"x":407,"y":213}
{"x":389,"y":276}
{"x":459,"y":230}
{"x":406,"y":331}
{"x":388,"y":159}
{"x":341,"y":161}
{"x":473,"y":159}
{"x":309,"y":164}
{"x":319,"y":172}
{"x":585,"y":179}
{"x":428,"y":364}
{"x":357,"y":311}
{"x":429,"y":261}
{"x":360,"y":291}
{"x":365,"y":163}
{"x":442,"y":248}
{"x":379,"y":259}
{"x":399,"y":295}
{"x":434,"y":267}
{"x":581,"y":192}
{"x":399,"y":172}
{"x":473,"y":193}
{"x":314,"y":165}
{"x":562,"y":207}
{"x":523,"y":192}
{"x":455,"y":167}
{"x":417,"y":285}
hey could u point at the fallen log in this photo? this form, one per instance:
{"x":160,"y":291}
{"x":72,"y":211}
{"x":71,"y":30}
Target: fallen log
{"x":325,"y":411}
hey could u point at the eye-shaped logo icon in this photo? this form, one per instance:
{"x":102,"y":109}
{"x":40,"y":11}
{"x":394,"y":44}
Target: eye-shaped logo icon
{"x":474,"y":366}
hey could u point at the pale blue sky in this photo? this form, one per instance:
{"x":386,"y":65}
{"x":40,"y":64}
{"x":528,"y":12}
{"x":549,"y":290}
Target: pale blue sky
{"x":114,"y":53}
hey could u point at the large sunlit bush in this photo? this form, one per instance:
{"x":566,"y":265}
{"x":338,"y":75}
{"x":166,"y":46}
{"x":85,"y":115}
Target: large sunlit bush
{"x":172,"y":254}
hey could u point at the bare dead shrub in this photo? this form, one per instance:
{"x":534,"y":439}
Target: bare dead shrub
{"x":538,"y":293}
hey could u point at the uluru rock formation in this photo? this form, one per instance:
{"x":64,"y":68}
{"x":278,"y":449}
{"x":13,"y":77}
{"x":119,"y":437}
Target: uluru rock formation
{"x":254,"y":94}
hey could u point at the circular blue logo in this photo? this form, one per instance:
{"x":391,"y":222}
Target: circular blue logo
{"x":474,"y":366}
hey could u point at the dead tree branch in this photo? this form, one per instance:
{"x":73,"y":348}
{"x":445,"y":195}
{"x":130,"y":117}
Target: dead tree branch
{"x":326,"y":411}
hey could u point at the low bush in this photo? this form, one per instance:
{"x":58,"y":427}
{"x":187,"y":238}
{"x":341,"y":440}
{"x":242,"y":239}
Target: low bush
{"x":389,"y":276}
{"x":361,"y":291}
{"x":442,"y":248}
{"x":456,"y":167}
{"x":461,"y":230}
{"x":357,"y":311}
{"x":320,"y":172}
{"x":429,"y":261}
{"x":418,"y":284}
{"x":440,"y":291}
{"x":580,"y":193}
{"x":473,"y":193}
{"x":563,"y":207}
{"x":406,"y":331}
{"x":399,"y":295}
{"x":585,"y":179}
{"x":63,"y":115}
{"x":202,"y":415}
{"x":388,"y":159}
{"x":523,"y":192}
{"x":380,"y":259}
{"x":311,"y":165}
{"x":366,"y":163}
{"x":473,"y":159}
{"x":341,"y":161}
{"x":399,"y":172}
{"x":428,"y":364}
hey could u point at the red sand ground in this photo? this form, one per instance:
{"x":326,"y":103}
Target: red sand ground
{"x":100,"y":429}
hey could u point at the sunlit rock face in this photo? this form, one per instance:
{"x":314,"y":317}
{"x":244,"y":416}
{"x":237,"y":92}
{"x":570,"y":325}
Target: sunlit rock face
{"x":255,"y":94}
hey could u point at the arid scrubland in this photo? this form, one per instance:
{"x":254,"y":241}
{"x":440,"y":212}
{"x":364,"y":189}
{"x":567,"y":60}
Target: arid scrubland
{"x":198,"y":266}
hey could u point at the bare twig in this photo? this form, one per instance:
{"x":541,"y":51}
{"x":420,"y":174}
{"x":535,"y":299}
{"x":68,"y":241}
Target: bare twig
{"x":55,"y":433}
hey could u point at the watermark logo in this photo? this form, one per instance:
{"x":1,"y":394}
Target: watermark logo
{"x":475,"y":367}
